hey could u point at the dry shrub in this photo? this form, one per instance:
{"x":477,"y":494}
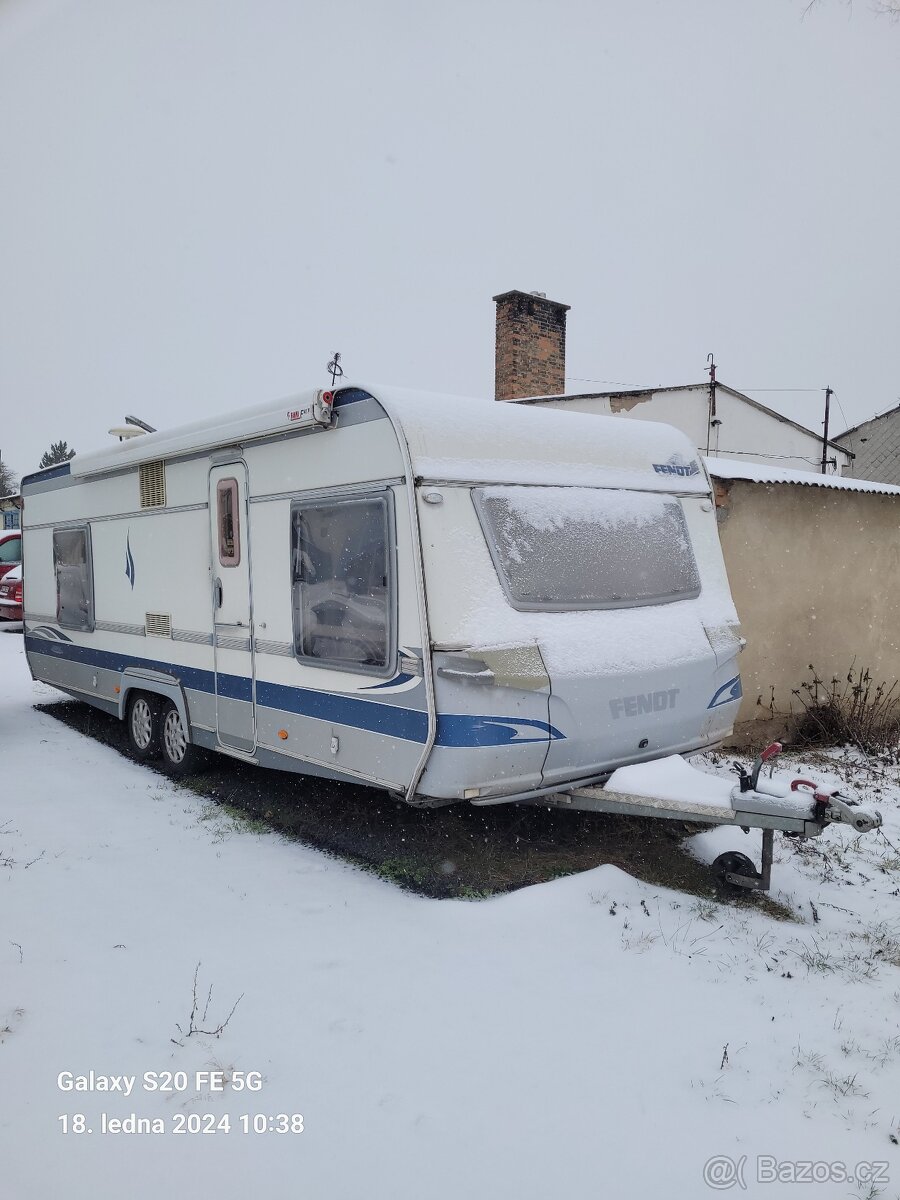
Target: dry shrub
{"x":850,"y":711}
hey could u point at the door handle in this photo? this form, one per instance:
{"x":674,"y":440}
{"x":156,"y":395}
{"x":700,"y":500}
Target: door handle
{"x":217,"y":593}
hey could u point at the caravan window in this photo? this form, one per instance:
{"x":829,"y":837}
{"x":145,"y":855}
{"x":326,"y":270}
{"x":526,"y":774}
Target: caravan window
{"x":342,"y":573}
{"x":74,"y":578}
{"x":228,"y":522}
{"x":563,"y":548}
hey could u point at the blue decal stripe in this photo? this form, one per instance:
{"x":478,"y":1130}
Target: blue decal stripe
{"x":411,"y":725}
{"x":389,"y":719}
{"x":727,"y":693}
{"x":401,"y":678}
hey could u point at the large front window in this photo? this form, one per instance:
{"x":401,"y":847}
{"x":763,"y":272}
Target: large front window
{"x":342,"y":583}
{"x":571,"y":547}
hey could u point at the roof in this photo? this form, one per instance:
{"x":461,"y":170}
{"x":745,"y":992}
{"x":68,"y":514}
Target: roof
{"x":458,"y":438}
{"x":683,"y":387}
{"x":890,"y":412}
{"x":727,"y":468}
{"x":450,"y":438}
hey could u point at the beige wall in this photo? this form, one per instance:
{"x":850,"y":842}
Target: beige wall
{"x":815,"y":574}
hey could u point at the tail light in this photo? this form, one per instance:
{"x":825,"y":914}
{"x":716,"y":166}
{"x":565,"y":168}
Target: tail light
{"x":17,"y":592}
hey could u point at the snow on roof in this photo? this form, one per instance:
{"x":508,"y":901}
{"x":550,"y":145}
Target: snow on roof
{"x":726,"y":468}
{"x":460,"y":438}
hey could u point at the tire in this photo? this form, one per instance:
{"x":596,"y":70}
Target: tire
{"x":142,"y":722}
{"x":734,"y":863}
{"x":179,"y":755}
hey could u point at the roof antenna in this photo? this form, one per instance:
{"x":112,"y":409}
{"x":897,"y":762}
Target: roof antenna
{"x":337,"y":371}
{"x":140,"y":424}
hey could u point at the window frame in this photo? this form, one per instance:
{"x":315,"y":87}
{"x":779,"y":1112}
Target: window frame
{"x":334,"y":500}
{"x":231,"y":487}
{"x":484,"y":520}
{"x":85,"y":529}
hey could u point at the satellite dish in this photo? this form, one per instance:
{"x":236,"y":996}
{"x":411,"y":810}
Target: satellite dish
{"x":122,"y":432}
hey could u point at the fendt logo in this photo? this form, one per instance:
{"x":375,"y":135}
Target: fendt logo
{"x":646,"y":702}
{"x":677,"y":465}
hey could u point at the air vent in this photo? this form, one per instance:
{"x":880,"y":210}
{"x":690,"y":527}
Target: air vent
{"x":153,"y":485}
{"x":158,"y":624}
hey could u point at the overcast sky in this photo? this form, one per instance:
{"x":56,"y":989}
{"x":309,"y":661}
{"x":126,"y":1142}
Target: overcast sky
{"x":201,"y":200}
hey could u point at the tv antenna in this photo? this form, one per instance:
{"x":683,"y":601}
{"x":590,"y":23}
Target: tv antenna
{"x":337,"y":371}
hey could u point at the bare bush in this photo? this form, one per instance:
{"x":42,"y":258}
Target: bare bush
{"x":854,"y":711}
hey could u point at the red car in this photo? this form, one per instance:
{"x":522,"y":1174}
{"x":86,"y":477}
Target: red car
{"x":10,"y":550}
{"x":11,"y":595}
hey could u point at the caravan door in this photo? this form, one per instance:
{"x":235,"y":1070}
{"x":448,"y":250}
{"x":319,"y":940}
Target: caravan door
{"x":235,"y":681}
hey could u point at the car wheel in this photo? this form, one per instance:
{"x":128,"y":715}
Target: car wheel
{"x":142,"y":720}
{"x":179,"y":755}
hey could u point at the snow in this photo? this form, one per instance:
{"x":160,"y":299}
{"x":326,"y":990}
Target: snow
{"x":726,"y":468}
{"x":550,"y":509}
{"x":566,"y":1040}
{"x":458,"y":438}
{"x":675,"y":779}
{"x":453,"y":437}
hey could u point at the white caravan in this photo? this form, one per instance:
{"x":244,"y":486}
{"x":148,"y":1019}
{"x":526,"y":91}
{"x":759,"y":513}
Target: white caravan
{"x":448,"y":598}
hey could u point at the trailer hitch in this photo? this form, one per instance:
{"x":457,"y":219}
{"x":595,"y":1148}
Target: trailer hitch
{"x":831,"y":805}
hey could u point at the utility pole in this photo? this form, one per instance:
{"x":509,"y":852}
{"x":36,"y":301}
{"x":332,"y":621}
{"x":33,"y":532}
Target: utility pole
{"x":712,"y":398}
{"x":828,"y":394}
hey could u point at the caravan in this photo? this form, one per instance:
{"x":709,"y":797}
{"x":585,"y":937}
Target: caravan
{"x":451,"y":599}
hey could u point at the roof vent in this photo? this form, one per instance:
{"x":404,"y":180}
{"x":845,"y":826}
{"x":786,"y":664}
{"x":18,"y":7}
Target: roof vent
{"x":153,"y":485}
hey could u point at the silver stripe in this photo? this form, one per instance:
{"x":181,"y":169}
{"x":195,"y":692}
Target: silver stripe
{"x":224,"y":642}
{"x":188,"y":635}
{"x":30,"y":616}
{"x":119,"y":627}
{"x":147,"y":512}
{"x":284,"y":649}
{"x":346,"y":489}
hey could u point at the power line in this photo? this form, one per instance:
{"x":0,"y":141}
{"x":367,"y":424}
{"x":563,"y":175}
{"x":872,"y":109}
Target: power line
{"x":654,"y":387}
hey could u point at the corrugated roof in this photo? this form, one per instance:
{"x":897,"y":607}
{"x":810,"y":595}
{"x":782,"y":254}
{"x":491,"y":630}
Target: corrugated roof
{"x":728,"y":468}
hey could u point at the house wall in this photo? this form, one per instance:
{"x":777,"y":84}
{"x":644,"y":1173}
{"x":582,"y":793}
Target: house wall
{"x":876,"y":445}
{"x":746,"y":433}
{"x":815,"y":575}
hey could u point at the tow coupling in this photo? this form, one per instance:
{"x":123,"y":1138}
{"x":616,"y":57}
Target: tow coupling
{"x":752,"y":795}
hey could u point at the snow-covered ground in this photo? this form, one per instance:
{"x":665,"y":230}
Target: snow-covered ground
{"x":591,"y":1037}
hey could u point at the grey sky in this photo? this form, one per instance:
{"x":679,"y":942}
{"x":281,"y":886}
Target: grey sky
{"x":203,"y":199}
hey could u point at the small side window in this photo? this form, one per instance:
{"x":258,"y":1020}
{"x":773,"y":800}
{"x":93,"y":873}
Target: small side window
{"x":74,"y":578}
{"x":229,"y":525}
{"x":343,"y":583}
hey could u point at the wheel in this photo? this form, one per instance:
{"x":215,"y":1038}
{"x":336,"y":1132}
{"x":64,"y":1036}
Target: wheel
{"x":179,"y":755}
{"x":734,"y":863}
{"x":142,"y":721}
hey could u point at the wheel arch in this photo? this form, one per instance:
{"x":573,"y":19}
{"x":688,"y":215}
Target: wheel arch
{"x":168,"y":686}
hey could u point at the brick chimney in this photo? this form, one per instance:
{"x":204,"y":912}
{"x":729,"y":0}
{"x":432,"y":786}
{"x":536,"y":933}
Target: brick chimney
{"x":530,"y":354}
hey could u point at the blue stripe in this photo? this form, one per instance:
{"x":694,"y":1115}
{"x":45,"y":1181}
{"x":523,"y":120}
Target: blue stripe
{"x":727,"y":693}
{"x":454,"y":729}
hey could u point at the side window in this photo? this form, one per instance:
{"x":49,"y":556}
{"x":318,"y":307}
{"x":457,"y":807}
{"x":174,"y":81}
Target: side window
{"x":228,"y":523}
{"x":74,"y":578}
{"x":11,"y":550}
{"x":343,"y":583}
